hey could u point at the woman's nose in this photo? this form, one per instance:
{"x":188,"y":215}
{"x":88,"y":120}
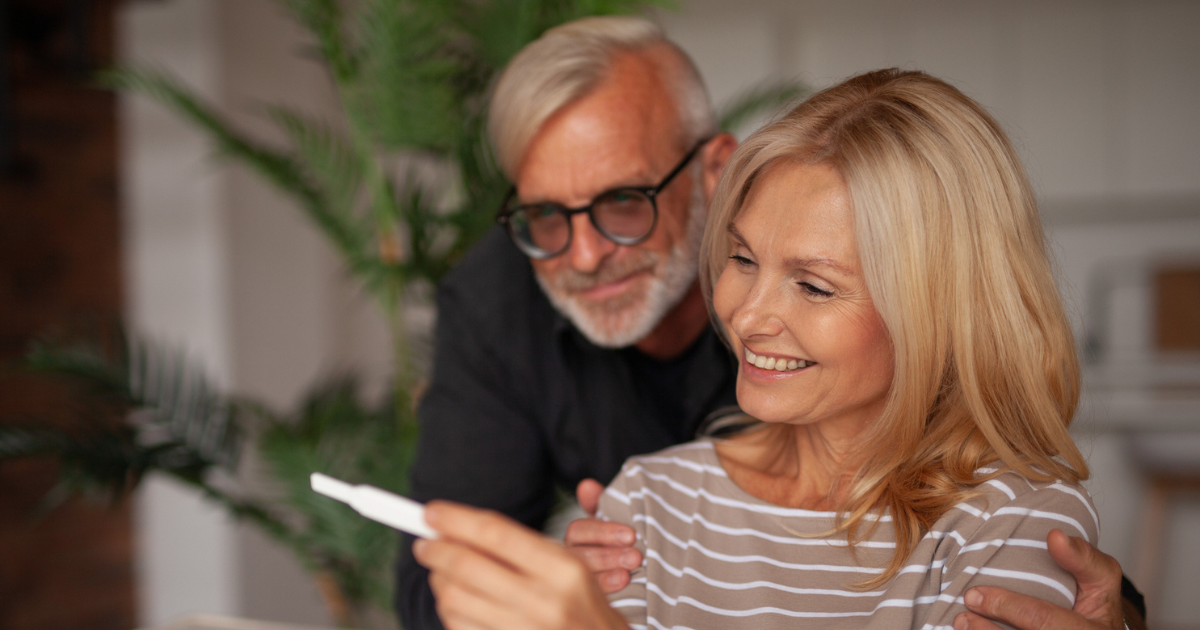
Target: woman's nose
{"x":588,"y":246}
{"x":758,"y":313}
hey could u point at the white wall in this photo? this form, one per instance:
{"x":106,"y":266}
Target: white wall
{"x":176,"y":261}
{"x":221,"y":263}
{"x":1099,"y":95}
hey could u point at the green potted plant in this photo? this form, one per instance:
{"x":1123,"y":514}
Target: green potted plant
{"x":412,"y":77}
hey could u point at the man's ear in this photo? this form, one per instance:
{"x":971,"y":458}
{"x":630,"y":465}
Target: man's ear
{"x":716,"y":153}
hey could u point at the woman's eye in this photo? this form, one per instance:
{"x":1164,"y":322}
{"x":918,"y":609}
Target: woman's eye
{"x":741,"y":261}
{"x":814,"y":290}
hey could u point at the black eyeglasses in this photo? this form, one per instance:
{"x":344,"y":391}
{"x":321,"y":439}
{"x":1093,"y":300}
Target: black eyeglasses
{"x":625,"y":216}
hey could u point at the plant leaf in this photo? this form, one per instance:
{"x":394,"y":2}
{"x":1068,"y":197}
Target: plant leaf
{"x":328,"y":158}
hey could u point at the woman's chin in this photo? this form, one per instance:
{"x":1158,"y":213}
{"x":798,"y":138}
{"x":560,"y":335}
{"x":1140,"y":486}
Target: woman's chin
{"x":767,"y":408}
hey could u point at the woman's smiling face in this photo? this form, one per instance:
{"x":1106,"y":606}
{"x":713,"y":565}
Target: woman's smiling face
{"x":794,"y":304}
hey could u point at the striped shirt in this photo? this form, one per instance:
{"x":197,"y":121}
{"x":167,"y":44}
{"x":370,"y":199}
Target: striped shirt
{"x":717,"y":557}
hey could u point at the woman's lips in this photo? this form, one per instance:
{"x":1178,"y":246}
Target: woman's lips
{"x":777,"y":364}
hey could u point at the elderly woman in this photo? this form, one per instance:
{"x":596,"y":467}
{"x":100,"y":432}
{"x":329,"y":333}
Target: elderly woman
{"x":876,"y":263}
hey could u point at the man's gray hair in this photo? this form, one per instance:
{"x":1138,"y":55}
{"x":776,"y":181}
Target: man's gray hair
{"x":567,"y":63}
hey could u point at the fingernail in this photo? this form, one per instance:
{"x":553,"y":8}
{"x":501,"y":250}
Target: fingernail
{"x":431,"y":513}
{"x":960,"y":622}
{"x":419,"y":548}
{"x":614,"y":581}
{"x":631,"y":560}
{"x":973,"y":599}
{"x":628,"y":537}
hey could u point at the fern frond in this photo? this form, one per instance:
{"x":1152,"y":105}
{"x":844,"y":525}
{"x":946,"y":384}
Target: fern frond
{"x":498,"y":30}
{"x":333,"y":432}
{"x":327,"y":157}
{"x":407,"y":76}
{"x":323,"y":18}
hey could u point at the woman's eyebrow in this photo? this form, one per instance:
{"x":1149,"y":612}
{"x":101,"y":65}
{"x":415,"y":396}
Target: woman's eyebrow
{"x":828,"y":263}
{"x":796,"y":263}
{"x":737,"y":236}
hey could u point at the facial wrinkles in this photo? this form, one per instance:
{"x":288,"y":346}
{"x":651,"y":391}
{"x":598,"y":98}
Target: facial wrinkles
{"x":798,"y":222}
{"x":627,"y":318}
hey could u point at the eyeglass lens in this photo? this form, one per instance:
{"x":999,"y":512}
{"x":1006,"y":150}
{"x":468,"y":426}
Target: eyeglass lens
{"x":624,"y":216}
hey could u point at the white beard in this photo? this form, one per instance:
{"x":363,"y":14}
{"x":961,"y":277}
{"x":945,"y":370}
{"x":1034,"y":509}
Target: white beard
{"x":627,"y":319}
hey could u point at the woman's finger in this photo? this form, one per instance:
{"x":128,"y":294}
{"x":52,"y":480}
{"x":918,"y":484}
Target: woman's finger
{"x":462,"y":607}
{"x":451,"y":563}
{"x":497,"y":535}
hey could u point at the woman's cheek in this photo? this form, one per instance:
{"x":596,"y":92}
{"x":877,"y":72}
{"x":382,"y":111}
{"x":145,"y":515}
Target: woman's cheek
{"x":726,"y":298}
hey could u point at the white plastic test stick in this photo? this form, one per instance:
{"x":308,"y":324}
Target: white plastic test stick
{"x":378,"y":505}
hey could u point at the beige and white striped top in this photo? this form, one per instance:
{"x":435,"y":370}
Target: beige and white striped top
{"x":717,"y":557}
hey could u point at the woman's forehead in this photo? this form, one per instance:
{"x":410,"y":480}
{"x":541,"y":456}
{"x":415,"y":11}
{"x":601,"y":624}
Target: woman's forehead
{"x":800,"y":215}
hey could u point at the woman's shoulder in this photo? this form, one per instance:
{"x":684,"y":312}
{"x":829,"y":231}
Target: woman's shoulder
{"x":682,"y":470}
{"x":686,"y":463}
{"x":1008,"y":501}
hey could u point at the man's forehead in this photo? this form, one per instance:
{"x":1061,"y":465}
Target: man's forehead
{"x":615,"y":136}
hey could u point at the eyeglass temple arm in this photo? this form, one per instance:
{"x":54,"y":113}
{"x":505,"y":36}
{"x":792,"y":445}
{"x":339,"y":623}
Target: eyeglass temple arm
{"x":687,"y":159}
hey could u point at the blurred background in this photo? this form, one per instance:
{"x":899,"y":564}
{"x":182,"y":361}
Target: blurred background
{"x":112,"y":209}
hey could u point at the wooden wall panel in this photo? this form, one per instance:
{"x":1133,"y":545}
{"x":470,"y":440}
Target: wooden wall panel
{"x":59,"y":268}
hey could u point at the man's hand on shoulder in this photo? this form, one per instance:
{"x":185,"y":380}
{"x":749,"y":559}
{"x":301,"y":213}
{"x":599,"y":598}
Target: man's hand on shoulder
{"x":606,"y":548}
{"x":1098,"y":602}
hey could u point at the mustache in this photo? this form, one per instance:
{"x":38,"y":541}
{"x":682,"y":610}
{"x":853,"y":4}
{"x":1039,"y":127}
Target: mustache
{"x":570,"y":280}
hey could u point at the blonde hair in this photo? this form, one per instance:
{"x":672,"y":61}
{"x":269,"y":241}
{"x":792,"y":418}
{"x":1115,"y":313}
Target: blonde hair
{"x":568,"y":62}
{"x":955,"y":261}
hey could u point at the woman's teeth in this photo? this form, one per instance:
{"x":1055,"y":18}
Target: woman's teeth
{"x":779,"y":365}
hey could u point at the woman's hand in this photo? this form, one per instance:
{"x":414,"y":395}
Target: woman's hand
{"x":489,"y":572}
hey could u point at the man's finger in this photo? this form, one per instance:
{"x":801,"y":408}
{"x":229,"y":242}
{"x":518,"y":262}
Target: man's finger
{"x":613,"y":581}
{"x":1022,"y":611}
{"x":971,"y":621}
{"x":1097,"y":577}
{"x":593,"y":532}
{"x":1085,"y":562}
{"x":601,"y":559}
{"x":1091,"y":568}
{"x":588,"y":494}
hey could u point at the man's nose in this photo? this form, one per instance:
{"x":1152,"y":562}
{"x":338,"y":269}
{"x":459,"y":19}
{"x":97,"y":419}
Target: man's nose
{"x":588,"y":246}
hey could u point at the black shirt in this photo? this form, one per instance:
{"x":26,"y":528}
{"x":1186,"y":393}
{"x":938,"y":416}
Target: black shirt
{"x":520,"y":402}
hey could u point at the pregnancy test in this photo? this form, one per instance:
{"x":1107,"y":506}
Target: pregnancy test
{"x":390,"y":509}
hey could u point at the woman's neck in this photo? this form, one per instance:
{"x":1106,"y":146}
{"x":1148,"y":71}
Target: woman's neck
{"x":792,"y":466}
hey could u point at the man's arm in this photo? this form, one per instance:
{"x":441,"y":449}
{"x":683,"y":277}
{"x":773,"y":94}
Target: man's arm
{"x":475,"y":447}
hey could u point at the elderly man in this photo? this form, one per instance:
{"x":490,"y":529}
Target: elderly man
{"x":576,"y":336}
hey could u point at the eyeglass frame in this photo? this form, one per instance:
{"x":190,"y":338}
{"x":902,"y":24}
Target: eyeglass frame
{"x":650,"y":192}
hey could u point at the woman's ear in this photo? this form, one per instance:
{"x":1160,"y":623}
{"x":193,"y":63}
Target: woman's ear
{"x":716,"y":153}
